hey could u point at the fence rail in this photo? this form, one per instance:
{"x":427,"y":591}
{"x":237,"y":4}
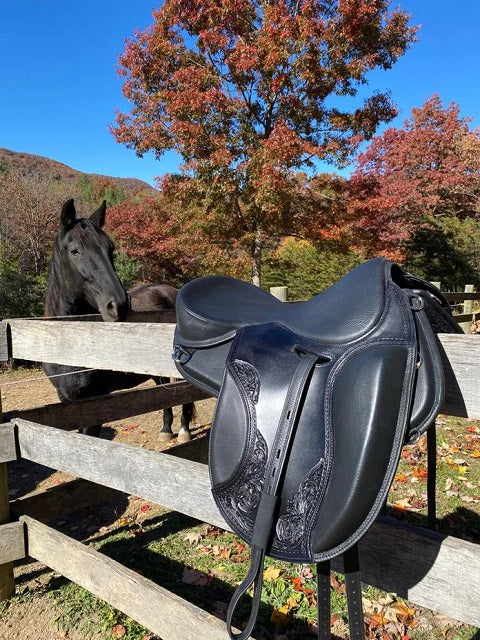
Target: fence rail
{"x":427,"y":568}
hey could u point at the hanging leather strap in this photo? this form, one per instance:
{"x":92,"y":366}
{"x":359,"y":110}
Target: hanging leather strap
{"x":354,"y":593}
{"x":431,"y":475}
{"x":255,"y":577}
{"x":323,"y":600}
{"x":269,"y":500}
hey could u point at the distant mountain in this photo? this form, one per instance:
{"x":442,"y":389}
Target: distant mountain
{"x":29,"y":163}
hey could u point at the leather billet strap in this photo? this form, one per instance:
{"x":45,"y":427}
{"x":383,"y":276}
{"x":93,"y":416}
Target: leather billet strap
{"x":353,"y":586}
{"x":323,"y":600}
{"x":431,"y":476}
{"x":353,"y":589}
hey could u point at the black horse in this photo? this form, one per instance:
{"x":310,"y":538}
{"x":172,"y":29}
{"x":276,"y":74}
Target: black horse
{"x":82,"y":281}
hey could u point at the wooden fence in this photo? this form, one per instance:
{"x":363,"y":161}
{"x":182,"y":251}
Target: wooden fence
{"x":430,"y":569}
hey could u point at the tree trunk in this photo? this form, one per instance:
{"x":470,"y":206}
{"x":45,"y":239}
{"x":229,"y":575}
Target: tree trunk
{"x":257,"y":259}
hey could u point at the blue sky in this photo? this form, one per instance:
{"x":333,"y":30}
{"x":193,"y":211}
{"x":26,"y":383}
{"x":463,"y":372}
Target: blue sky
{"x":59,"y":88}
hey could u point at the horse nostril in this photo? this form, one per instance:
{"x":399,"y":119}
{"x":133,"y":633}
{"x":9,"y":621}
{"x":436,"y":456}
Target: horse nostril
{"x":112,"y":309}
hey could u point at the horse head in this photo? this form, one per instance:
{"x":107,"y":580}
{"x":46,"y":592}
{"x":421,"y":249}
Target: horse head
{"x":82,"y":270}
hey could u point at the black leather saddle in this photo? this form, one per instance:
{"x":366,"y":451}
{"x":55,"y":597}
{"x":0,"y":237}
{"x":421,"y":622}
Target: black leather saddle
{"x":315,"y":401}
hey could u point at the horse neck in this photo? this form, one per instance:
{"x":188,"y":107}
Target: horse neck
{"x":58,"y":302}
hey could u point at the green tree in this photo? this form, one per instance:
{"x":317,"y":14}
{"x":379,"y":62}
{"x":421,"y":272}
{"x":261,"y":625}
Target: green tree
{"x":128,"y":269}
{"x":95,"y":189}
{"x":248,"y":93}
{"x":21,"y":293}
{"x":446,"y":249}
{"x":305,"y":268}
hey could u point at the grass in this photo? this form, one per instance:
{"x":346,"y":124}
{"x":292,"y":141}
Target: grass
{"x":203,"y":564}
{"x":93,"y":618}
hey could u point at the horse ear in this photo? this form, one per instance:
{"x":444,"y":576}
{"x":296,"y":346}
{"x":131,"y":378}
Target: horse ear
{"x":98,"y":216}
{"x":68,"y":215}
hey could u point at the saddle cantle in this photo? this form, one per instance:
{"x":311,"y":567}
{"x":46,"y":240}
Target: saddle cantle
{"x":315,"y":401}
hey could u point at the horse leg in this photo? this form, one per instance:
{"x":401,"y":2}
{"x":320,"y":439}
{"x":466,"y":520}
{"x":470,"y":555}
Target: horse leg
{"x":166,"y":432}
{"x":184,"y":434}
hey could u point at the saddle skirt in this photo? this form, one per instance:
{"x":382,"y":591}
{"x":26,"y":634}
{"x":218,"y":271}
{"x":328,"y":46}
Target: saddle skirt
{"x":315,"y":400}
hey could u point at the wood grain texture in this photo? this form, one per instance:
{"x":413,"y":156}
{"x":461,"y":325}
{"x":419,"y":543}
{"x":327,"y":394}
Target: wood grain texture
{"x":461,"y":360}
{"x":429,"y":569}
{"x":4,"y":341}
{"x":182,"y":485}
{"x":146,"y":348}
{"x":432,"y":570}
{"x":123,"y":346}
{"x":8,"y":450}
{"x":57,"y":501}
{"x":159,"y":610}
{"x":73,"y":495}
{"x":7,"y":584}
{"x":12,"y":542}
{"x":102,"y":409}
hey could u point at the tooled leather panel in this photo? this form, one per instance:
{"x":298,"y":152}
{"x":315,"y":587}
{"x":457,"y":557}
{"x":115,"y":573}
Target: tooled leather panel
{"x":248,"y":376}
{"x":238,"y":499}
{"x":291,"y":534}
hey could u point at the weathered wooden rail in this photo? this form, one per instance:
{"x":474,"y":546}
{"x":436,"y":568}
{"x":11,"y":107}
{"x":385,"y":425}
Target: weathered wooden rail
{"x":429,"y":569}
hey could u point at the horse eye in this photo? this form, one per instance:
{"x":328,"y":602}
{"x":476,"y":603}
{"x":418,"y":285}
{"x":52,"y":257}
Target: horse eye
{"x":74,"y":252}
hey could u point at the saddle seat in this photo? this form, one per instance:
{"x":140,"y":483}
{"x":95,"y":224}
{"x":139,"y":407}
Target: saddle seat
{"x":211,"y":309}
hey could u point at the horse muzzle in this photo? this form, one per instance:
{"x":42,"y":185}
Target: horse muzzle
{"x":115,"y":311}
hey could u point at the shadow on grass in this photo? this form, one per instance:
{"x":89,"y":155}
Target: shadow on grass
{"x":135,"y":552}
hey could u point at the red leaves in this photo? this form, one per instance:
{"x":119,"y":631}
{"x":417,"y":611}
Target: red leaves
{"x":428,"y":168}
{"x":249,"y":72}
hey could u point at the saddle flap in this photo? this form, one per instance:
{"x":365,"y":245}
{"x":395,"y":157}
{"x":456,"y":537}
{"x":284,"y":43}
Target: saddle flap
{"x":334,"y":463}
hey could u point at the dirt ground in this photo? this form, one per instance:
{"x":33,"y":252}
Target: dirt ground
{"x":31,"y":613}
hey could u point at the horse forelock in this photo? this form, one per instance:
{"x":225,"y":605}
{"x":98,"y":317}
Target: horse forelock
{"x":84,"y":231}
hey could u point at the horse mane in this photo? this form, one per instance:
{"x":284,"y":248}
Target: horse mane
{"x":52,"y":294}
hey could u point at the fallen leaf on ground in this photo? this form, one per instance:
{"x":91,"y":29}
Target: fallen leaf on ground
{"x":271,"y":574}
{"x":280,"y":616}
{"x":195,"y":577}
{"x":193,"y":537}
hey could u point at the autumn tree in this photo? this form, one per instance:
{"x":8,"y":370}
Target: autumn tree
{"x":29,"y":210}
{"x":249,"y":92}
{"x":411,"y":181}
{"x":94,"y":189}
{"x":162,"y":237}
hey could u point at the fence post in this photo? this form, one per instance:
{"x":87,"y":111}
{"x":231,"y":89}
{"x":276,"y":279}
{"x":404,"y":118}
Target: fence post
{"x":467,"y":308}
{"x":280,"y":292}
{"x":7,"y":585}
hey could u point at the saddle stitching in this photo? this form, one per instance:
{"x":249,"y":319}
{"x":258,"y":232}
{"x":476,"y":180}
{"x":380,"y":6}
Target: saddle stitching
{"x":240,"y":494}
{"x":400,"y":430}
